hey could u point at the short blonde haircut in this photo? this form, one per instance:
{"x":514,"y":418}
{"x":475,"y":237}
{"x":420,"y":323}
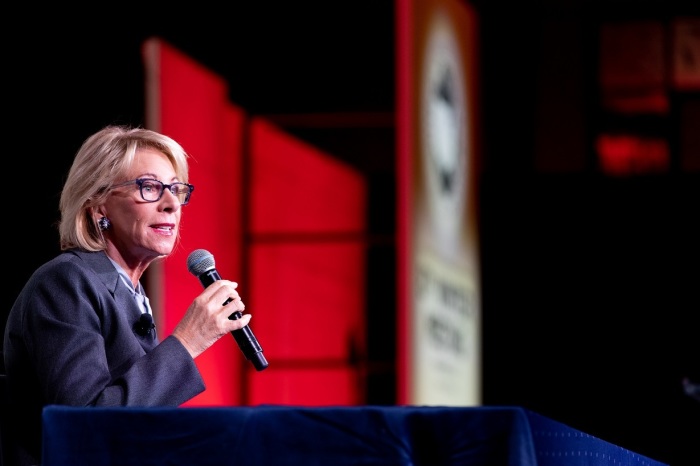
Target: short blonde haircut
{"x":103,"y":160}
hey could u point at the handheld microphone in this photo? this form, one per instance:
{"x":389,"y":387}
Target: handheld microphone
{"x":200,"y":263}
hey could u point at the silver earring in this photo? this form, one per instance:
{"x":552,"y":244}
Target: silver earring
{"x":104,"y":223}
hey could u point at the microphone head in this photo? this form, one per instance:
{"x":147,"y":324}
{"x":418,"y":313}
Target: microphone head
{"x":199,"y":261}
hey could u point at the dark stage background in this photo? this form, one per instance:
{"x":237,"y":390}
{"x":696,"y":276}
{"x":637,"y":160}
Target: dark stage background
{"x":590,"y":299}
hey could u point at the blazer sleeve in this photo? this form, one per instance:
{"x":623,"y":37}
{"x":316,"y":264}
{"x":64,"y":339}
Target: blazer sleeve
{"x":78,"y":336}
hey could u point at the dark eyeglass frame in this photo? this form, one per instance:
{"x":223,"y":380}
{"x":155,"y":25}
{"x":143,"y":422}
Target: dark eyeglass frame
{"x":164,"y":186}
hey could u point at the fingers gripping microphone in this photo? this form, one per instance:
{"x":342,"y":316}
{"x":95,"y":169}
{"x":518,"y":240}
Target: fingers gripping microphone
{"x":200,"y":263}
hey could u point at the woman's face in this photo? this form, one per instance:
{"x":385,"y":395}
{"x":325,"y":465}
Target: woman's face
{"x":142,"y":231}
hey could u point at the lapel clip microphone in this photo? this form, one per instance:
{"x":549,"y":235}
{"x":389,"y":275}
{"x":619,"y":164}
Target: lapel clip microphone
{"x":144,"y":326}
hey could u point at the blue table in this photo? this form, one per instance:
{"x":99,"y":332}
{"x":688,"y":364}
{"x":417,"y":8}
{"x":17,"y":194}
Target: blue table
{"x":336,"y":436}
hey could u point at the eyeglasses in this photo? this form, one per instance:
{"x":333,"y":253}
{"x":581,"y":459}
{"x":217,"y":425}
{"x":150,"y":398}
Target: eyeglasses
{"x":152,"y":190}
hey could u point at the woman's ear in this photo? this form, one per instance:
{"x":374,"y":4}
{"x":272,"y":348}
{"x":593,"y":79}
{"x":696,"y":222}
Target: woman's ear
{"x":95,"y":213}
{"x":100,"y":218}
{"x":98,"y":212}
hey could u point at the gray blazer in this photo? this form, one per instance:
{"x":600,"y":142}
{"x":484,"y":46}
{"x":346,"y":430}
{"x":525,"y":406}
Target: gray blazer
{"x":70,"y":340}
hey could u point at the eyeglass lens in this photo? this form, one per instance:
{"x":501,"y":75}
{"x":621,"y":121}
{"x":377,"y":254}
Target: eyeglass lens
{"x":152,"y":190}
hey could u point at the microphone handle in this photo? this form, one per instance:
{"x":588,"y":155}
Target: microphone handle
{"x":247,"y":342}
{"x":209,"y":277}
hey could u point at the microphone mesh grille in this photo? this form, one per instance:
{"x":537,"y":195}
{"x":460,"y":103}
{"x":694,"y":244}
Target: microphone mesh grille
{"x":199,"y":261}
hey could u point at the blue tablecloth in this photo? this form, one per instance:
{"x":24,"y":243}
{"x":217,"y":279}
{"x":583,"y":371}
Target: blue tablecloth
{"x":285,"y":435}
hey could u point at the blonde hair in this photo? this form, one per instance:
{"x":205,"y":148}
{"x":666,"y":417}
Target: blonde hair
{"x":102,"y":160}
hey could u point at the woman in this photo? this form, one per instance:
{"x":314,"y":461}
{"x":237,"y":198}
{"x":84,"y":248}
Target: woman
{"x":78,"y":333}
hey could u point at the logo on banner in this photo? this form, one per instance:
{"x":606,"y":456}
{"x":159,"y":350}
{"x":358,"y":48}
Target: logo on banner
{"x":445,"y":137}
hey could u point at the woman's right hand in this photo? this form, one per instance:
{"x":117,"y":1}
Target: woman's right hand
{"x":207,"y":318}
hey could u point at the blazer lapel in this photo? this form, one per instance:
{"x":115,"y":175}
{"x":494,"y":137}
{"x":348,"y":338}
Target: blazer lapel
{"x":103,"y":267}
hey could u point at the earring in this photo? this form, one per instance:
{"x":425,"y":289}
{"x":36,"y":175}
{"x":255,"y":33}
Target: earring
{"x":103,"y":223}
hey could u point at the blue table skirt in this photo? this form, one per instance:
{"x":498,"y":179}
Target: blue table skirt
{"x":336,"y":436}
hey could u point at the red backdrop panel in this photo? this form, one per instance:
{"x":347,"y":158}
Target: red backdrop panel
{"x":307,"y":387}
{"x":308,"y":299}
{"x":304,"y":251}
{"x":296,"y":187}
{"x":189,"y":103}
{"x":306,"y":259}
